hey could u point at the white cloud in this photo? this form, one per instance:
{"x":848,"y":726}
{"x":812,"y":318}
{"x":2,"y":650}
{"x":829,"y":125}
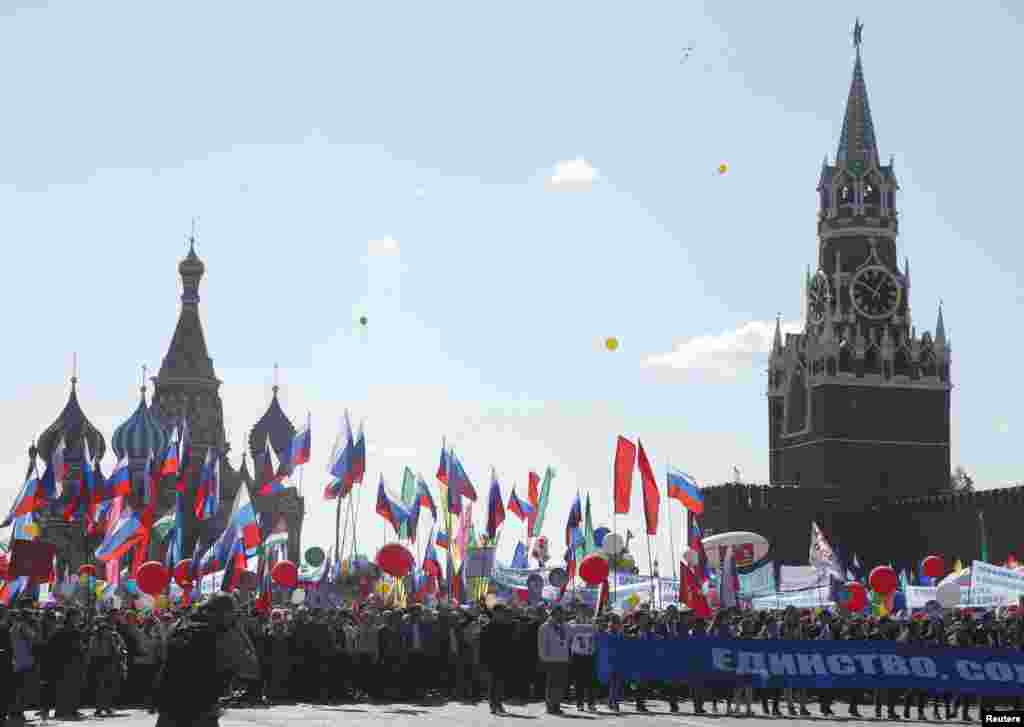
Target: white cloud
{"x":383,"y":247}
{"x":724,"y":355}
{"x":573,"y":175}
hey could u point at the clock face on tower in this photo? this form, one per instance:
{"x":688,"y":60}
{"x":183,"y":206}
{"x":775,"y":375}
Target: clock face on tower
{"x":875,"y":292}
{"x":818,"y":297}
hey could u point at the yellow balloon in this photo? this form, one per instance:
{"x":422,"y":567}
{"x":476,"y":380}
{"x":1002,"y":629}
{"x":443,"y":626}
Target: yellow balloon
{"x":723,"y":168}
{"x":611,"y":343}
{"x":33,"y":530}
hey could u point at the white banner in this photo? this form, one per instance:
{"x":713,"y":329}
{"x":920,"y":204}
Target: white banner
{"x":814,"y":598}
{"x":992,"y":585}
{"x":800,"y":577}
{"x":759,"y":582}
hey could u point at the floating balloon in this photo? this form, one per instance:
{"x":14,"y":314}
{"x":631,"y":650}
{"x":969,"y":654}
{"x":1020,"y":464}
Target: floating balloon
{"x":599,"y":536}
{"x":395,"y":560}
{"x":363,"y":320}
{"x":611,"y":343}
{"x":183,"y":572}
{"x":315,"y":556}
{"x":948,"y":594}
{"x":723,"y":168}
{"x":883,"y":580}
{"x":285,"y":573}
{"x":613,"y":544}
{"x":152,"y":578}
{"x":933,"y":567}
{"x":856,"y":597}
{"x":88,"y":569}
{"x":594,"y":569}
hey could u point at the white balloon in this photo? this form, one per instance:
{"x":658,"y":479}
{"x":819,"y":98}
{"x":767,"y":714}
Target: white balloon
{"x":948,"y":594}
{"x":613,"y":544}
{"x":298,"y":596}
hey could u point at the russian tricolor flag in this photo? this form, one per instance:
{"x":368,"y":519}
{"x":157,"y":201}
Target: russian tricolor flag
{"x":684,"y":488}
{"x":208,"y":493}
{"x":458,"y":479}
{"x":495,"y":507}
{"x":169,"y":467}
{"x":120,"y":482}
{"x":389,"y":507}
{"x":28,"y":500}
{"x":443,"y":540}
{"x":243,"y":523}
{"x":270,"y":478}
{"x":301,"y":445}
{"x":125,"y":535}
{"x":575,"y":518}
{"x":341,"y":467}
{"x":185,"y":463}
{"x":359,"y":457}
{"x":522,"y":510}
{"x":424,"y":497}
{"x":442,"y":468}
{"x":431,"y":563}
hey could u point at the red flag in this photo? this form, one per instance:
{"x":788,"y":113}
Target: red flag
{"x":32,"y":558}
{"x":533,"y":492}
{"x":602,"y":600}
{"x":695,"y":597}
{"x":652,"y":498}
{"x":625,"y":461}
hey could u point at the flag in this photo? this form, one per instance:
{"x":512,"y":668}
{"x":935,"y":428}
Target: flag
{"x":425,"y":498}
{"x":574,"y":520}
{"x":822,"y":556}
{"x":122,"y":537}
{"x":542,"y":503}
{"x":120,"y":482}
{"x":233,"y":567}
{"x":519,"y":559}
{"x":389,"y":509}
{"x":185,"y":459}
{"x":689,"y":583}
{"x":10,"y":590}
{"x":341,"y":468}
{"x":652,"y":498}
{"x":443,"y":540}
{"x":270,"y":474}
{"x":301,"y":445}
{"x":60,"y":470}
{"x":684,"y":488}
{"x":458,"y":479}
{"x":533,"y":496}
{"x":728,"y":581}
{"x":517,"y":507}
{"x":29,"y":499}
{"x":169,"y":466}
{"x":431,"y":564}
{"x":695,"y":541}
{"x":625,"y":461}
{"x":169,"y":555}
{"x":101,"y":518}
{"x":359,"y":457}
{"x":243,"y":524}
{"x":414,"y":520}
{"x":442,"y":467}
{"x":495,"y":507}
{"x":208,"y":493}
{"x":408,"y":498}
{"x":589,"y":545}
{"x":452,"y":495}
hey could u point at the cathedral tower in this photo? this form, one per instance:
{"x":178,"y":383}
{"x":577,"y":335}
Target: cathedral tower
{"x":858,"y":400}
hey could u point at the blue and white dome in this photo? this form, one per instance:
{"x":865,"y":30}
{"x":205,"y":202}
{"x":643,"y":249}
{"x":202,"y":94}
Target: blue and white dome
{"x":141,"y":434}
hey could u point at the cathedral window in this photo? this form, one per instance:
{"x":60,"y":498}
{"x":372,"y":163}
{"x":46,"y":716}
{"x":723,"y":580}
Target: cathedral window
{"x":845,"y":195}
{"x":871,"y":195}
{"x":845,"y":358}
{"x":928,"y":367}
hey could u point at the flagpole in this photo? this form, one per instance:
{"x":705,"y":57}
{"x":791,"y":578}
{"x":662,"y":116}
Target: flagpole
{"x":671,"y":527}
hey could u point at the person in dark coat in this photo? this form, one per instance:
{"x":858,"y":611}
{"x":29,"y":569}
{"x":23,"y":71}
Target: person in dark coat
{"x":6,"y":664}
{"x":496,"y":642}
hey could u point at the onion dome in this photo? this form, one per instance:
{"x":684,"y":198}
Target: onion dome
{"x":275,"y":425}
{"x":141,"y":434}
{"x":72,"y":425}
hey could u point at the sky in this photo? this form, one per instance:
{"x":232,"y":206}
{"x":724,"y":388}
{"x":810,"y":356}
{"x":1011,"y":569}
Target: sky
{"x":498,"y":189}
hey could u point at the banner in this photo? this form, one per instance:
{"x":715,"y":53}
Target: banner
{"x":842,"y":665}
{"x":812,"y":598}
{"x":994,"y":586}
{"x":800,"y":577}
{"x":33,"y":558}
{"x":759,"y":582}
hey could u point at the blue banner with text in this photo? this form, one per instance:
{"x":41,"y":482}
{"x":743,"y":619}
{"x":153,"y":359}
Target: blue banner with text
{"x":813,"y":664}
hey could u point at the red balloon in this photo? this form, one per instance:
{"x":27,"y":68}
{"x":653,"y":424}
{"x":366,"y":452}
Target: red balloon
{"x":933,"y":567}
{"x":87,"y":569}
{"x":883,"y":580}
{"x":594,"y":569}
{"x":395,"y":560}
{"x":152,"y":578}
{"x":285,"y":573}
{"x":183,"y":572}
{"x":858,"y":597}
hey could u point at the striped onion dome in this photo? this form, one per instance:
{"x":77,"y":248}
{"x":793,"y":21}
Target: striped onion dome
{"x":141,"y":434}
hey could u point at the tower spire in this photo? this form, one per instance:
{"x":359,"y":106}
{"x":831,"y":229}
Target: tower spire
{"x":777,"y":341}
{"x":858,"y":147}
{"x":940,"y":328}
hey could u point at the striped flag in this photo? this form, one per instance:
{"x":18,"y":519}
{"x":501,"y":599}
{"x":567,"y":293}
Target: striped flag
{"x":542,"y":503}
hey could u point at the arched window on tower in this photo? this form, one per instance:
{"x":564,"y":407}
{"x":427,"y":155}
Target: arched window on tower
{"x":871,"y":194}
{"x":872,"y":361}
{"x":901,"y":363}
{"x":830,"y":366}
{"x":845,"y":195}
{"x":845,"y":358}
{"x":928,"y":367}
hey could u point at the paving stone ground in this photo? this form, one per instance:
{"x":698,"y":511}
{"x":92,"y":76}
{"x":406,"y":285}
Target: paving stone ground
{"x":462,"y":715}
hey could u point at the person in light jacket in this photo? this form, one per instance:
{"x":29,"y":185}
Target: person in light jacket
{"x":553,"y":650}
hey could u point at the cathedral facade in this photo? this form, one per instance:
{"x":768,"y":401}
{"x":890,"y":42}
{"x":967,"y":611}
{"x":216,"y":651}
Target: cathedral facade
{"x":859,"y":400}
{"x":186,"y":392}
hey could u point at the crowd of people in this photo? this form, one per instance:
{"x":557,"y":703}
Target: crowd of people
{"x":187,"y":665}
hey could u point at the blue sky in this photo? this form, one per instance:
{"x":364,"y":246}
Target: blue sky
{"x":394,"y":160}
